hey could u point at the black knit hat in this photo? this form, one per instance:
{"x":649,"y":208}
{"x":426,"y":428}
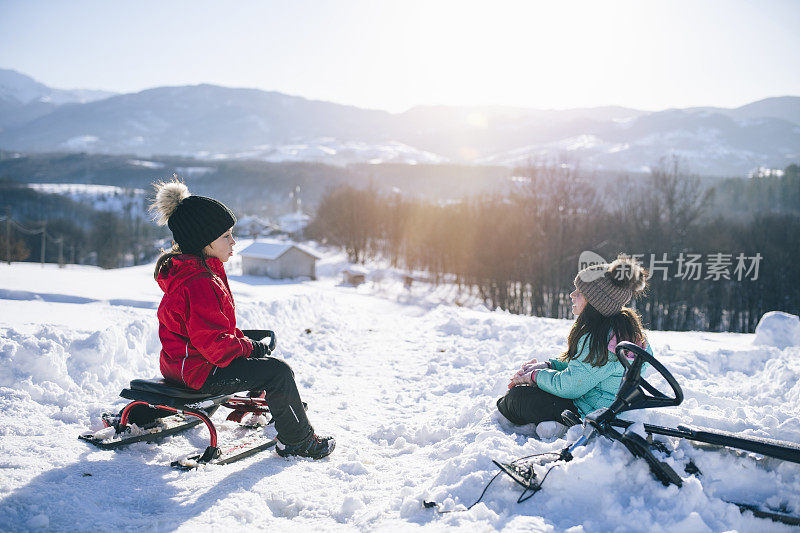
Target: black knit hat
{"x":195,"y":221}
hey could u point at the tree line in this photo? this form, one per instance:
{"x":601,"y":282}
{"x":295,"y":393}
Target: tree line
{"x":711,"y":269}
{"x":73,"y":232}
{"x":253,"y":187}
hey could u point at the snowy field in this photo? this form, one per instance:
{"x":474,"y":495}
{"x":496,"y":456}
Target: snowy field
{"x":100,"y":197}
{"x":407,"y":386}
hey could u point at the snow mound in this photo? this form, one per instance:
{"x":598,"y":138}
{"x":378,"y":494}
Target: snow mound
{"x":778,"y":329}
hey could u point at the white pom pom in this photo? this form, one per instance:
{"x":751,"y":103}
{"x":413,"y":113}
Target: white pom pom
{"x":169,"y":196}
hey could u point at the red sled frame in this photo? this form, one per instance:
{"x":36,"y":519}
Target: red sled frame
{"x":187,"y":403}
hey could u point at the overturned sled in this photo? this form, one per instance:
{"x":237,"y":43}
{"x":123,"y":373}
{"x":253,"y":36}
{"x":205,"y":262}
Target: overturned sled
{"x":637,"y":393}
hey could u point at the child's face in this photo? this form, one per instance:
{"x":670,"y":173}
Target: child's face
{"x":578,"y":302}
{"x":222,"y":248}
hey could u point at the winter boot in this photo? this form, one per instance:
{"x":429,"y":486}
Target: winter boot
{"x":549,"y":430}
{"x":314,"y":447}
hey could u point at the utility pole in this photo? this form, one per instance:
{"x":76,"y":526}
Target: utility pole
{"x":8,"y":234}
{"x":44,"y":239}
{"x":60,"y":252}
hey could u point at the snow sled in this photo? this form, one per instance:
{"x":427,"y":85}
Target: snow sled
{"x":637,"y":393}
{"x":180,"y":408}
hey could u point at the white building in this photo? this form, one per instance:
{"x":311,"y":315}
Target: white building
{"x":294,"y":222}
{"x":255,"y":227}
{"x":354,"y":275}
{"x":279,"y":260}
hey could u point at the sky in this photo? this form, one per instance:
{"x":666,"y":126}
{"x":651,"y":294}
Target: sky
{"x":394,"y":55}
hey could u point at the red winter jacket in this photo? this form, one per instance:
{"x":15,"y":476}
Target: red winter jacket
{"x":197,"y":321}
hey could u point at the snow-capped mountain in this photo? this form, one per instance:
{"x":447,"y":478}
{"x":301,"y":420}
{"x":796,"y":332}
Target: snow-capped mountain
{"x":25,"y":90}
{"x":204,"y":119}
{"x":712,"y":142}
{"x":213,"y":122}
{"x":23,"y":99}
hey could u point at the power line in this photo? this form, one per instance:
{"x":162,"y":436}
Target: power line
{"x":28,"y":231}
{"x":10,"y":222}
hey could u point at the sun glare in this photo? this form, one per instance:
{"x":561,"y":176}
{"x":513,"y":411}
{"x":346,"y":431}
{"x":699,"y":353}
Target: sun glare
{"x":516,"y":53}
{"x":477,"y":120}
{"x":395,"y":55}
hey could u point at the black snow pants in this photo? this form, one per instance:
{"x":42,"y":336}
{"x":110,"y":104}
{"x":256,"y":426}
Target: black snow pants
{"x":276,"y":378}
{"x":531,"y":405}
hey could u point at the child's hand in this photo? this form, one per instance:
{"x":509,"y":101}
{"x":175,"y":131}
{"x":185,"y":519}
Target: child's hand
{"x":523,"y":378}
{"x":260,"y":350}
{"x":533,"y":364}
{"x":527,"y":374}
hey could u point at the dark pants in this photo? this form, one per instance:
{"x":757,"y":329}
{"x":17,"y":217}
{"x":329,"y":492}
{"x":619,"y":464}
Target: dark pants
{"x":276,"y":378}
{"x":531,"y":405}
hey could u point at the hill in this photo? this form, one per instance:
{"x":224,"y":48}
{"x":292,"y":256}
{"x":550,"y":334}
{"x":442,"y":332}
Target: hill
{"x":213,"y":122}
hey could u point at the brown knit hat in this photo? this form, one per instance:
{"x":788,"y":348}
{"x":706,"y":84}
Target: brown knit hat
{"x":609,"y":286}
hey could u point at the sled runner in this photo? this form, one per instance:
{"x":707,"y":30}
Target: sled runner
{"x":191,"y":408}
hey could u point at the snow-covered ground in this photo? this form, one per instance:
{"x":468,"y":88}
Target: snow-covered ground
{"x":407,"y":386}
{"x":332,"y":151}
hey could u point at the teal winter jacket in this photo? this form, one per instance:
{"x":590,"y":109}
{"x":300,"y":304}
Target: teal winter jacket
{"x":590,"y":387}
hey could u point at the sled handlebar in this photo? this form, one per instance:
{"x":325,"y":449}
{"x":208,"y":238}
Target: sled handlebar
{"x":261,"y":334}
{"x":272,"y":340}
{"x":635,"y":392}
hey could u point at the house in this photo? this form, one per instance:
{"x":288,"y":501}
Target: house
{"x":255,"y":227}
{"x":354,"y":276}
{"x":279,"y":260}
{"x":294,"y":222}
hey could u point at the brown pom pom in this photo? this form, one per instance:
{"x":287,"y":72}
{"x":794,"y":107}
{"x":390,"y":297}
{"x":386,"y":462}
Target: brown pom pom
{"x":627,"y":273}
{"x":169,"y":196}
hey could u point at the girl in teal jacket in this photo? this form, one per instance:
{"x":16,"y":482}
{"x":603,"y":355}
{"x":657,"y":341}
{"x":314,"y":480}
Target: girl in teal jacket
{"x":587,"y":375}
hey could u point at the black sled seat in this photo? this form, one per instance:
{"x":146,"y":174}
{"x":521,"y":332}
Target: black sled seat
{"x":163,"y":392}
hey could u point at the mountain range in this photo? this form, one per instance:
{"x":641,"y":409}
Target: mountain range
{"x":209,"y":121}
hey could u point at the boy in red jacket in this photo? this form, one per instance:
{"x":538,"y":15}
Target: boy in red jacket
{"x":201,"y":346}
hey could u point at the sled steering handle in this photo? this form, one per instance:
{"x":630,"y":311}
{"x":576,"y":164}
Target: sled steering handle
{"x":658,"y":398}
{"x":261,"y":334}
{"x":272,"y":339}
